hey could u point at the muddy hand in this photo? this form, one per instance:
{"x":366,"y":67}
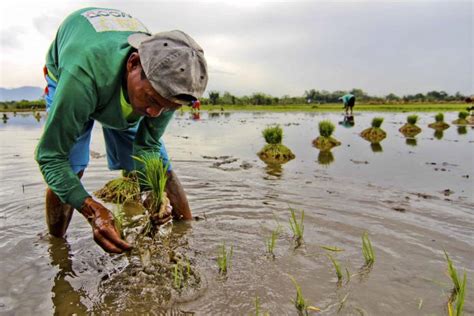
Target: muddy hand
{"x":103,"y":226}
{"x":164,"y":215}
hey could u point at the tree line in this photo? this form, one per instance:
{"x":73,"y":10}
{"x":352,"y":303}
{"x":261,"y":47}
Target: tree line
{"x":322,"y":96}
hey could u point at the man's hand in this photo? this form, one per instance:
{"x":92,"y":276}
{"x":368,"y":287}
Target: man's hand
{"x":164,"y":214}
{"x":103,"y":226}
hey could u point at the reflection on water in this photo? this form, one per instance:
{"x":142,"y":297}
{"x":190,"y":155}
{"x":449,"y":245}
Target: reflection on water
{"x":411,"y":141}
{"x":348,"y":121}
{"x":66,"y":299}
{"x":462,"y":130}
{"x":274,"y":169}
{"x":325,"y":157}
{"x":376,"y":147}
{"x":438,"y":134}
{"x":37,"y":116}
{"x":5,"y":118}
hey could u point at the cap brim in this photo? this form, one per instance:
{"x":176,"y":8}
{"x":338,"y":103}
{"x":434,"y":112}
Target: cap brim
{"x":136,"y":39}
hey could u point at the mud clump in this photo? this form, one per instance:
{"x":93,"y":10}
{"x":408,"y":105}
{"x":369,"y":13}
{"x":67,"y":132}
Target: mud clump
{"x":410,"y":130}
{"x":439,"y":126}
{"x":373,"y":134}
{"x":325,"y":143}
{"x":276,"y":154}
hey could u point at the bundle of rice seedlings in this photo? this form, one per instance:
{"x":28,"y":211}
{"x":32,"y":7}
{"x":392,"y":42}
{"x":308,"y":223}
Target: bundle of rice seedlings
{"x":325,"y":141}
{"x":462,"y":118}
{"x":410,"y":129}
{"x":154,"y":178}
{"x":274,"y":152}
{"x":120,"y":190}
{"x":374,"y":134}
{"x":439,"y":123}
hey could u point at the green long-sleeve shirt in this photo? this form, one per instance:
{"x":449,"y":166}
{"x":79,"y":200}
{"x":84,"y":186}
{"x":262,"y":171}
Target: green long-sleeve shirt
{"x":345,"y":98}
{"x":87,"y":58}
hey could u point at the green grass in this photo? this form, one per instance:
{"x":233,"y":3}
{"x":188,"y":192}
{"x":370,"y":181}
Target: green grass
{"x":154,"y":177}
{"x":224,"y":259}
{"x":273,"y":134}
{"x":270,"y":242}
{"x":300,"y":302}
{"x":336,"y":107}
{"x":337,"y":266}
{"x":463,"y":114}
{"x":453,"y":274}
{"x":439,"y":117}
{"x":326,"y":128}
{"x":367,"y":250}
{"x":377,"y":122}
{"x":297,"y":227}
{"x":412,"y":119}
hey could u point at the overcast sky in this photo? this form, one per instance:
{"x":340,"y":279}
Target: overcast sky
{"x":279,"y":47}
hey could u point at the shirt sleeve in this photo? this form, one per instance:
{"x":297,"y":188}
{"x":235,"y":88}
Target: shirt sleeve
{"x":74,"y":102}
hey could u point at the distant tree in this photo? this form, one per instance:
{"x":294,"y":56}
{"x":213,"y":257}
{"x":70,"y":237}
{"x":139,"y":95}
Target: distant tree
{"x":392,"y":97}
{"x":213,"y":97}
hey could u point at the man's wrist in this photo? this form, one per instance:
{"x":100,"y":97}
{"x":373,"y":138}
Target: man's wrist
{"x":86,"y":209}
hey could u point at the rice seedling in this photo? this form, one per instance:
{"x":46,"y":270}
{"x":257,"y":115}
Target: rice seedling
{"x":224,"y":259}
{"x":120,"y":190}
{"x":462,"y":115}
{"x":337,"y":266}
{"x":178,"y":275}
{"x":377,"y":122}
{"x":439,"y":117}
{"x":271,"y":241}
{"x":453,"y":273}
{"x":154,"y":177}
{"x":297,"y":227}
{"x":412,"y":119}
{"x":300,"y":302}
{"x":326,"y":128}
{"x":332,"y":248}
{"x":119,"y":216}
{"x":367,"y":250}
{"x":460,"y":297}
{"x":257,"y":308}
{"x":273,"y":134}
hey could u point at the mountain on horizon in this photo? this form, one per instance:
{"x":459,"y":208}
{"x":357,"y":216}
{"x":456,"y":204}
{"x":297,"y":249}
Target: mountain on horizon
{"x":22,"y":93}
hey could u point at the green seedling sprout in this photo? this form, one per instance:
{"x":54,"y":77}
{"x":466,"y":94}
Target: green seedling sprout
{"x":367,"y":250}
{"x":300,"y":302}
{"x":273,"y":134}
{"x":456,"y":301}
{"x":178,"y":275}
{"x":297,"y":227}
{"x":337,"y":266}
{"x":224,"y":259}
{"x":412,"y":119}
{"x":332,"y":248}
{"x":257,"y":308}
{"x":270,"y":242}
{"x":453,"y":274}
{"x":119,"y":216}
{"x":377,"y":122}
{"x":326,"y":128}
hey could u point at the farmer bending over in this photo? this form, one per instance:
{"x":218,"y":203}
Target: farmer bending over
{"x":105,"y":66}
{"x":349,"y":102}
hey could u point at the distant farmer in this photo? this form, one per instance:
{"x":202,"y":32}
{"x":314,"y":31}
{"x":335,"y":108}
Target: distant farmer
{"x":104,"y":65}
{"x":196,"y":105}
{"x":349,"y":102}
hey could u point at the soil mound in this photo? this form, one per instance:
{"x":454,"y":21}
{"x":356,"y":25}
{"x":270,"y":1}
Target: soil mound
{"x":325,"y":143}
{"x":410,"y":130}
{"x":275,"y":154}
{"x":440,"y":126}
{"x":373,"y":134}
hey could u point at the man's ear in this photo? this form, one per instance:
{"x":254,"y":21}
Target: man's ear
{"x":133,"y":61}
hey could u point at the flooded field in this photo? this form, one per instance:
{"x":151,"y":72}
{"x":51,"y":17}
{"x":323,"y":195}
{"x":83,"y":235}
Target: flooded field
{"x":414,"y":197}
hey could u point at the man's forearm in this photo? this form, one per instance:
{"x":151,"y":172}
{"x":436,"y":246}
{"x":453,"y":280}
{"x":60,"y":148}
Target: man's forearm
{"x":178,"y":199}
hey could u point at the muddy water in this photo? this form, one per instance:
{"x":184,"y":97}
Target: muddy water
{"x":414,"y":197}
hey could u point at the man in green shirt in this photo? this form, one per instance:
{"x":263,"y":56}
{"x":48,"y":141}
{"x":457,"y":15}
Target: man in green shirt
{"x":105,"y":66}
{"x":349,"y":102}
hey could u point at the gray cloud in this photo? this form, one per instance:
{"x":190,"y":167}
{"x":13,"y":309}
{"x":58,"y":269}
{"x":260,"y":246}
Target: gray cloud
{"x":46,"y":24}
{"x":11,"y":38}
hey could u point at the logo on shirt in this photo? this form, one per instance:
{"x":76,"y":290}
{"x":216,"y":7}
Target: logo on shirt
{"x":104,"y":20}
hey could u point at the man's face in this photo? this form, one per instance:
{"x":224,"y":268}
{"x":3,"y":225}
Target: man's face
{"x":143,"y":98}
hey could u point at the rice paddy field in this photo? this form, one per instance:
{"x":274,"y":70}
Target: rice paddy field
{"x":358,"y":230}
